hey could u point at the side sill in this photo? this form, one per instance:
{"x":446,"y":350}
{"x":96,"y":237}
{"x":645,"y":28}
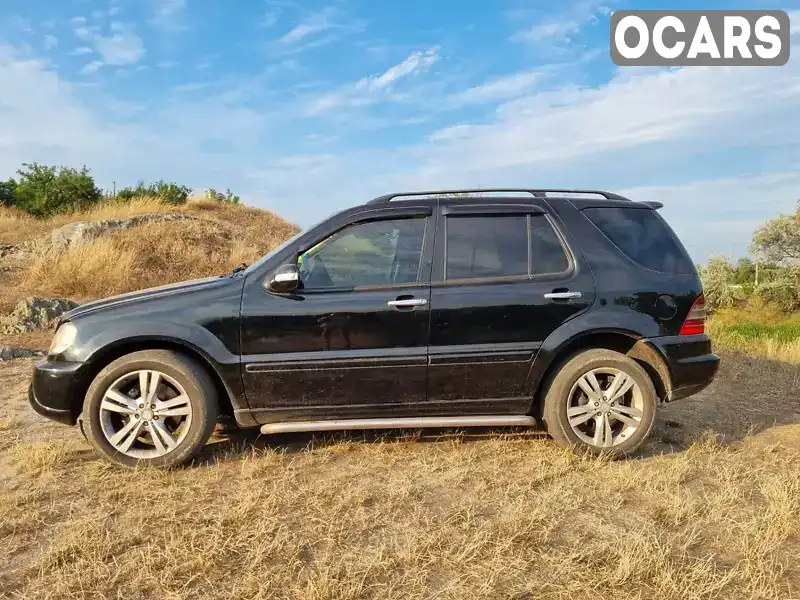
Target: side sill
{"x":400,"y":423}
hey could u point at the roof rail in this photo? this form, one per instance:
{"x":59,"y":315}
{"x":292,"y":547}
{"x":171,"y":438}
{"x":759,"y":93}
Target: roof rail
{"x":538,"y":193}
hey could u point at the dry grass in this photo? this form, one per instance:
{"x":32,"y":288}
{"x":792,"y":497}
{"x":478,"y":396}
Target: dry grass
{"x":496,"y":518}
{"x":9,"y":424}
{"x":33,"y":459}
{"x":758,"y":329}
{"x":17,"y":226}
{"x":154,"y":254}
{"x":440,"y":515}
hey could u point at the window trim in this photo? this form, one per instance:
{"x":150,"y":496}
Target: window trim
{"x":426,"y":216}
{"x":500,"y":211}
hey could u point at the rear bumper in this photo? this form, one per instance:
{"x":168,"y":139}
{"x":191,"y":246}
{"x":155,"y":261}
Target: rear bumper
{"x":692,"y":364}
{"x":51,"y":392}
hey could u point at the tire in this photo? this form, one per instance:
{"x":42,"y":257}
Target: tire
{"x":565,"y":393}
{"x":166,"y":436}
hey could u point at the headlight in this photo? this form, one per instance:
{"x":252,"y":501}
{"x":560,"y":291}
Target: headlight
{"x":63,"y":338}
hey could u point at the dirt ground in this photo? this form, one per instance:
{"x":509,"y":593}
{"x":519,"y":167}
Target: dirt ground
{"x":709,"y":509}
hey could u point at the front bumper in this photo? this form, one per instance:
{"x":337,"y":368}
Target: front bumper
{"x":52,"y":391}
{"x":692,"y":364}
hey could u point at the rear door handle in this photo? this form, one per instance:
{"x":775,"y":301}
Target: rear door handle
{"x":407,"y":302}
{"x":562,"y":295}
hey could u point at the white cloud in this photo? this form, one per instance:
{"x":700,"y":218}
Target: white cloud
{"x":123,"y":47}
{"x":687,"y":208}
{"x":92,"y":67}
{"x":269,"y":19}
{"x":49,"y":42}
{"x":316,"y":29}
{"x":415,"y":62}
{"x":313,"y":24}
{"x":555,"y":31}
{"x":558,"y":30}
{"x":83,"y":33}
{"x":503,"y":88}
{"x":366,"y":91}
{"x":168,"y":13}
{"x":43,"y":120}
{"x":78,"y":21}
{"x":81,"y":51}
{"x":633,"y":110}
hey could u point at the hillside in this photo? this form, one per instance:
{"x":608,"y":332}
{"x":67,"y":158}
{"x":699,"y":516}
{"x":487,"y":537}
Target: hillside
{"x":125,"y":246}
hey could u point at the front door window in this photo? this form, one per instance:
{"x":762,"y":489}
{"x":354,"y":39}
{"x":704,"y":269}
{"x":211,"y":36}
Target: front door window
{"x":372,"y":253}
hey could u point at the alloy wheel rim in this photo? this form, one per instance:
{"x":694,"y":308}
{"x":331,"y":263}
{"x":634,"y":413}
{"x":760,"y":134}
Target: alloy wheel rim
{"x":145,"y":414}
{"x":605,"y":407}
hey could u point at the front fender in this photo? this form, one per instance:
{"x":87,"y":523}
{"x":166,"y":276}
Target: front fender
{"x":97,"y":343}
{"x":93,"y":339}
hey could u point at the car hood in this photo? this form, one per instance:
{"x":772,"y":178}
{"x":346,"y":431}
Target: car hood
{"x":171,"y":289}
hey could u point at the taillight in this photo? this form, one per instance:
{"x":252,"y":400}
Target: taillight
{"x":695,"y":322}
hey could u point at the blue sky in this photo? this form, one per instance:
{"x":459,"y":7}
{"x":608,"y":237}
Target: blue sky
{"x":306,"y":107}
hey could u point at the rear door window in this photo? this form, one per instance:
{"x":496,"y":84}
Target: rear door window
{"x":486,"y":246}
{"x":643,"y":236}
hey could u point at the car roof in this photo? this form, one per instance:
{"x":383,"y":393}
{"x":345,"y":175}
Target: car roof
{"x":580,"y":198}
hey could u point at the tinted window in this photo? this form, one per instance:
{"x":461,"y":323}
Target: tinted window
{"x":547,"y":253}
{"x":373,"y":253}
{"x":643,"y":236}
{"x":486,"y":246}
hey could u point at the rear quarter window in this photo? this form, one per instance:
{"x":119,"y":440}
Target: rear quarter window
{"x":643,"y":236}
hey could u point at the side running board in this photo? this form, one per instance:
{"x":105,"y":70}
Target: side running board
{"x":400,"y":423}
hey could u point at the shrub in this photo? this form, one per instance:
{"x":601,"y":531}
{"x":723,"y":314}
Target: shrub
{"x":783,"y":290}
{"x":168,"y":192}
{"x":226,"y":197}
{"x":44,"y":191}
{"x":7,"y":192}
{"x":718,"y":277}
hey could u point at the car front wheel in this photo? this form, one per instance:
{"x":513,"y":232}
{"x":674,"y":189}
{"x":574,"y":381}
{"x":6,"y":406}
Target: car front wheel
{"x":154,"y":407}
{"x":601,"y":401}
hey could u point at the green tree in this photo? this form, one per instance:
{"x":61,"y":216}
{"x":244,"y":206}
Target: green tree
{"x":44,"y":191}
{"x":745,"y":272}
{"x":778,"y":240}
{"x":7,"y":192}
{"x":167,"y":191}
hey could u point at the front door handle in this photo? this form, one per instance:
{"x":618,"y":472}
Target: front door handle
{"x":407,"y":302}
{"x":562,"y":295}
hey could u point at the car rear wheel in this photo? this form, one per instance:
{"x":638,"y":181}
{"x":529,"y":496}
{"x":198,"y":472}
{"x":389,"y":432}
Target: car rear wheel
{"x":601,"y":401}
{"x":154,"y":407}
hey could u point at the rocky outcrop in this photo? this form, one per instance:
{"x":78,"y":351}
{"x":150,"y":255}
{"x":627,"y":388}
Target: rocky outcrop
{"x":76,"y":234}
{"x":82,"y":232}
{"x":34,"y":313}
{"x":10,"y":353}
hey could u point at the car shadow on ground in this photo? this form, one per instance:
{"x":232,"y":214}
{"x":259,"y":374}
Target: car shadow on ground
{"x":749,"y":396}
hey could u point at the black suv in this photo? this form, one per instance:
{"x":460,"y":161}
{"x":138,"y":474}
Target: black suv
{"x":429,"y":309}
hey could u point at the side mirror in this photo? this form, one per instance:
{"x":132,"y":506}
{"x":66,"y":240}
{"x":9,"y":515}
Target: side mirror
{"x":285,"y":279}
